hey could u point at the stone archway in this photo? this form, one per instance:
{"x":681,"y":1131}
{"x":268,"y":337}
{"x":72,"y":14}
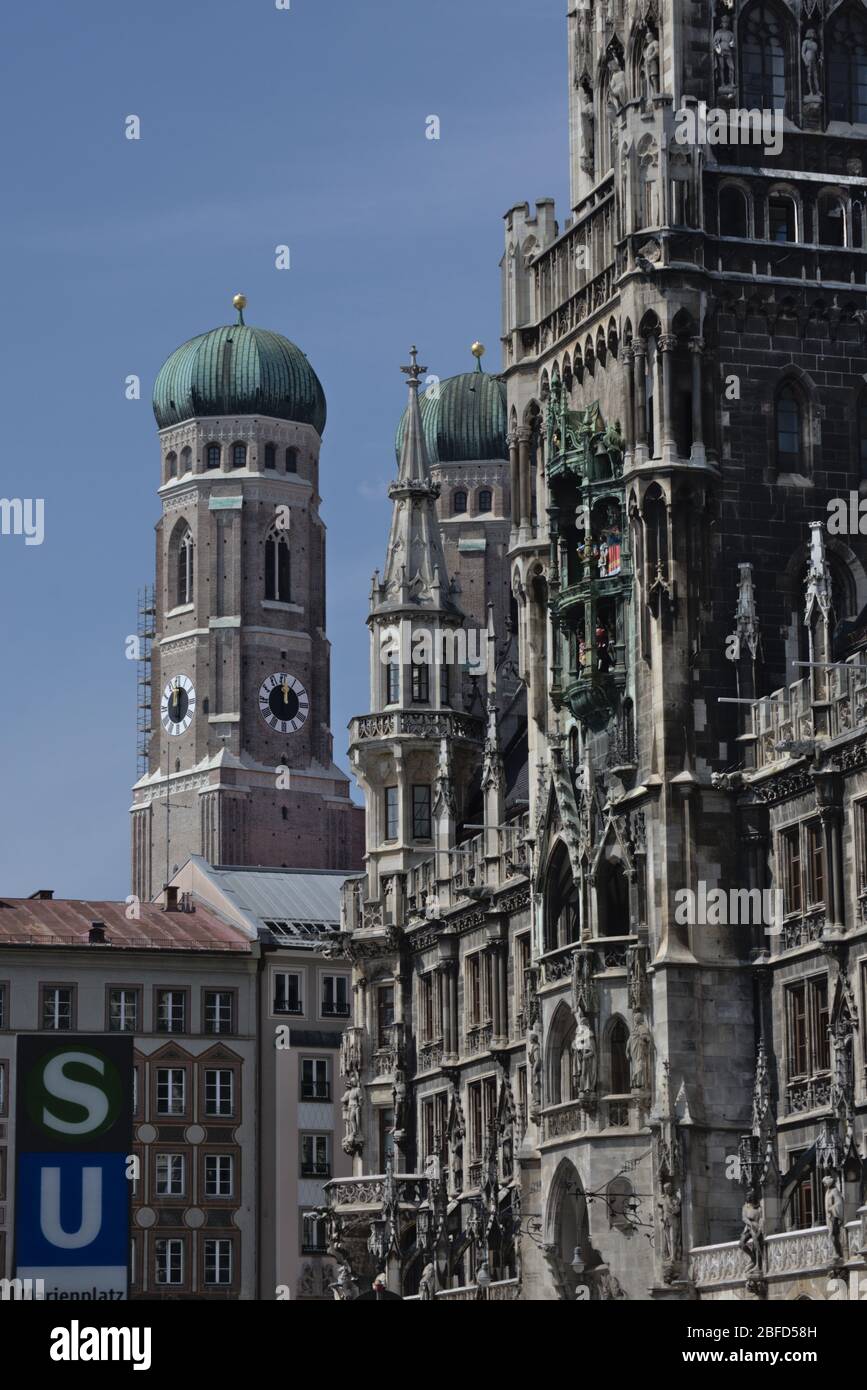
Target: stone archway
{"x":567,"y":1231}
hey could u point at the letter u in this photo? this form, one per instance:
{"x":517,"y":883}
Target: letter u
{"x":91,"y":1209}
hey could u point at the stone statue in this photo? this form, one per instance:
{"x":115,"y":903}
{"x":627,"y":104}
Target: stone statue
{"x":534,"y":1057}
{"x":724,"y":53}
{"x":428,"y":1284}
{"x":640,"y":1054}
{"x":507,"y":1149}
{"x":669,"y":1209}
{"x":398,"y":1096}
{"x":586,"y":116}
{"x":651,"y":67}
{"x":811,"y":60}
{"x":584,"y":1051}
{"x":752,"y":1240}
{"x":345,"y":1288}
{"x":616,"y":86}
{"x":352,"y":1116}
{"x":834,"y":1217}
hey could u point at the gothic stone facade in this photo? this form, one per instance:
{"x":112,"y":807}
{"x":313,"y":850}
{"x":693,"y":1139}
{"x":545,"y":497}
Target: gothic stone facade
{"x":562,"y":1080}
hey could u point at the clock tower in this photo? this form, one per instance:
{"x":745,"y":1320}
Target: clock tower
{"x":240,"y":765}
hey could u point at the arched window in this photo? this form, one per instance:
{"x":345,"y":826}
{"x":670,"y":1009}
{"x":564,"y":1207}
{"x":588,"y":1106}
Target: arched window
{"x":763,"y":58}
{"x":732,"y":212}
{"x":270,"y":456}
{"x":277,"y":569}
{"x":186,"y":460}
{"x":788,"y":422}
{"x":239,"y":456}
{"x":618,"y":1059}
{"x":847,"y":67}
{"x":185,"y":568}
{"x":782,"y":225}
{"x":612,"y":899}
{"x":485,"y":500}
{"x":171,"y":465}
{"x":212,"y":456}
{"x":559,"y":1066}
{"x":832,"y":220}
{"x":459,"y":503}
{"x":562,"y":918}
{"x":291,"y":460}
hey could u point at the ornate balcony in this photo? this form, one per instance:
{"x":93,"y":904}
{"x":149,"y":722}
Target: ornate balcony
{"x":788,"y":1255}
{"x":369,"y":1192}
{"x":809,"y":1093}
{"x":429,"y":725}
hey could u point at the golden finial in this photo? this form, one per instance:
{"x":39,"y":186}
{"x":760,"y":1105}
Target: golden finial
{"x":239,"y":302}
{"x":478,"y":351}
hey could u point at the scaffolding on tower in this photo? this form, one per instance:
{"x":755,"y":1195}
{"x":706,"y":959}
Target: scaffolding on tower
{"x":145,"y":632}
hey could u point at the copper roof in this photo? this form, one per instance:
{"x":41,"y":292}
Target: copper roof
{"x":67,"y":922}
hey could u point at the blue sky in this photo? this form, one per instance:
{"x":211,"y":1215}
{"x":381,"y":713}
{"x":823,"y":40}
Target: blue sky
{"x":259,"y":127}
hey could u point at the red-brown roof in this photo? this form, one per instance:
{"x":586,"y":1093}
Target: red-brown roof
{"x":67,"y":922}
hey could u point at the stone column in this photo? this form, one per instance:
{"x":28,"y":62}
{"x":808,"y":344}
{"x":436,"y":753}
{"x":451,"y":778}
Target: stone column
{"x":445,"y":971}
{"x":524,"y":435}
{"x":629,"y":412}
{"x":453,"y":996}
{"x":502,"y":972}
{"x":514,"y":481}
{"x":697,"y":349}
{"x":639,"y":353}
{"x":667,"y":344}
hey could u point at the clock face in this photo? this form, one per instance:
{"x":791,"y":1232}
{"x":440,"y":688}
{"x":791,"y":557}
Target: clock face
{"x":283,"y":703}
{"x":178,"y":705}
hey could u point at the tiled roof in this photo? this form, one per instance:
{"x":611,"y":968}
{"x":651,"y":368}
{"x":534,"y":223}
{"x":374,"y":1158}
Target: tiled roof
{"x":67,"y":922}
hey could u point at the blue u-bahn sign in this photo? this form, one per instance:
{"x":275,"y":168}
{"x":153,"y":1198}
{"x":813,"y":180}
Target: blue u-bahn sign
{"x":73,"y":1129}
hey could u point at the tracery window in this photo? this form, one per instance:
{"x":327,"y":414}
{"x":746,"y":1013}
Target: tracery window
{"x":277,"y":566}
{"x":847,"y":68}
{"x":185,"y":568}
{"x":763,"y":58}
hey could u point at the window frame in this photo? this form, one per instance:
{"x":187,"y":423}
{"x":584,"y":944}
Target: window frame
{"x":72,"y":990}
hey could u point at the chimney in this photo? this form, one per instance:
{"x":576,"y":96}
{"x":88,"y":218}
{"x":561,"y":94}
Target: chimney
{"x":43,"y":894}
{"x":171,"y":898}
{"x":96,"y":935}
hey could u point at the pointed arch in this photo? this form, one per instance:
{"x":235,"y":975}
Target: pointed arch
{"x":567,"y":1229}
{"x":181,"y":567}
{"x":615,"y":1057}
{"x":766,"y":46}
{"x":559,"y":1077}
{"x":846,"y":65}
{"x":278,"y":565}
{"x":562,"y":916}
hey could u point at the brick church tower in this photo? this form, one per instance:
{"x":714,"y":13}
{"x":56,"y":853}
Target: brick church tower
{"x":240,"y":765}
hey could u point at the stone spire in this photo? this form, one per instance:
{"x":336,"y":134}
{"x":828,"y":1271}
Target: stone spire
{"x":415,"y":568}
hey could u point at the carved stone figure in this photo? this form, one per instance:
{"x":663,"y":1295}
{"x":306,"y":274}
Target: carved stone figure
{"x":585,"y":1055}
{"x":670,"y":1220}
{"x":427,"y":1285}
{"x":586,"y":116}
{"x":724,"y":48}
{"x":752,"y":1240}
{"x":344,"y":1288}
{"x":651,"y":67}
{"x":641,"y":1054}
{"x":398,"y":1096}
{"x":352,"y":1116}
{"x":811,"y":59}
{"x":834,"y":1217}
{"x":507,"y":1149}
{"x":616,"y":86}
{"x":534,"y":1057}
